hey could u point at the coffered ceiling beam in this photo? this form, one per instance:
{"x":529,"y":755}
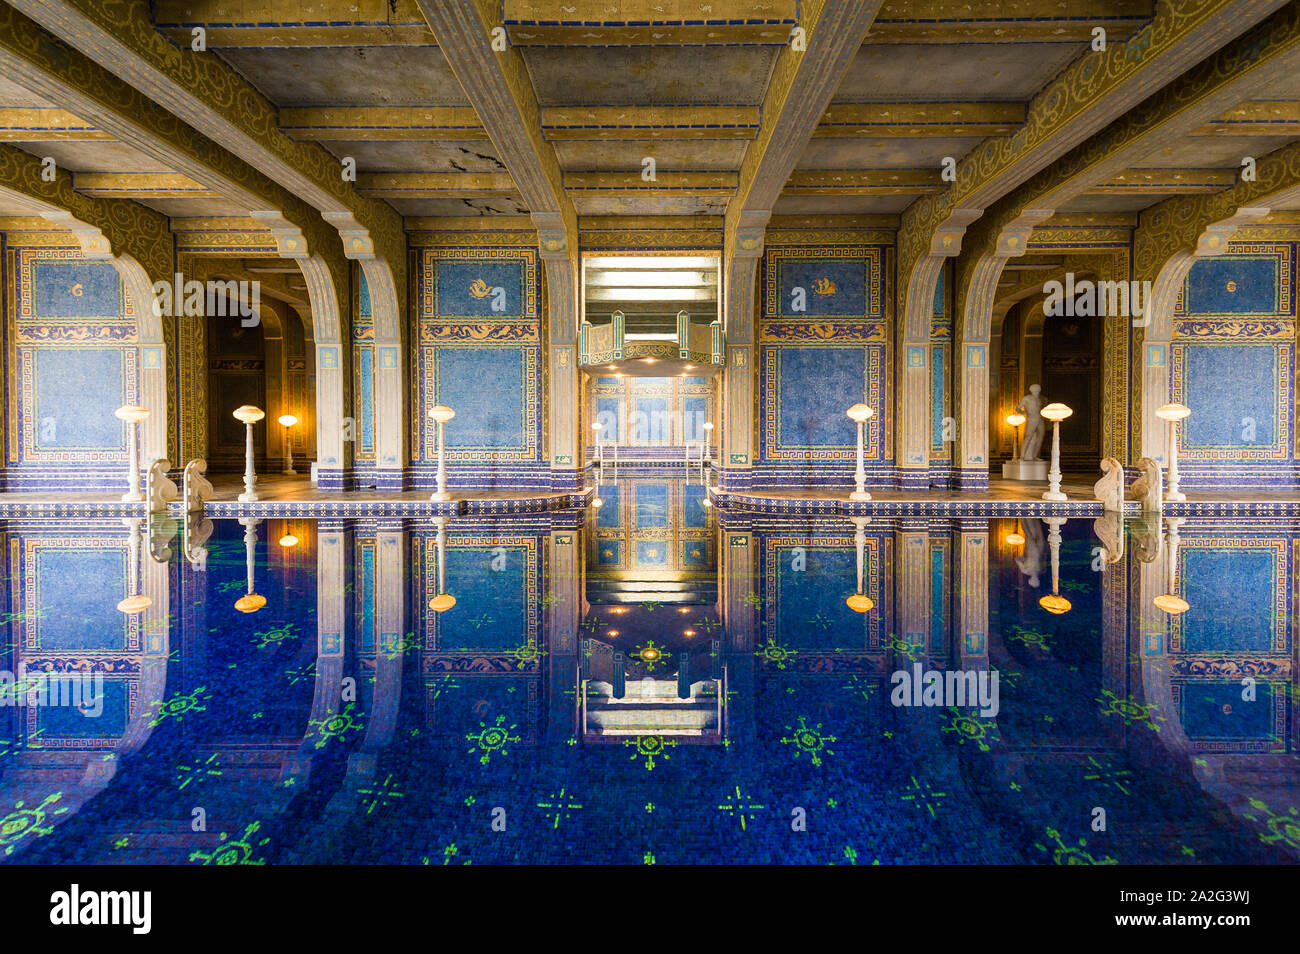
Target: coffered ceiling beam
{"x":291,"y":23}
{"x":919,"y":120}
{"x":46,"y":124}
{"x":202,"y":90}
{"x":648,"y":22}
{"x":408,"y":123}
{"x":1007,"y":21}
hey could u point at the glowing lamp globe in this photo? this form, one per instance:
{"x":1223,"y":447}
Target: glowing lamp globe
{"x":288,"y":540}
{"x":135,"y":604}
{"x":707,"y":425}
{"x":1056,"y":412}
{"x":1171,"y":604}
{"x":595,"y":427}
{"x":1016,"y":419}
{"x":860,"y":603}
{"x":1173,"y":412}
{"x":596,"y":501}
{"x":859,"y":413}
{"x":1055,"y":604}
{"x":442,"y":602}
{"x":649,"y":655}
{"x":1015,"y":539}
{"x":247,"y":414}
{"x":131,"y":413}
{"x":288,"y":420}
{"x":706,"y":502}
{"x":250,"y":602}
{"x":441,"y":413}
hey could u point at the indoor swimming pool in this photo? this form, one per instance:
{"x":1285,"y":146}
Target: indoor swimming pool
{"x":649,"y":681}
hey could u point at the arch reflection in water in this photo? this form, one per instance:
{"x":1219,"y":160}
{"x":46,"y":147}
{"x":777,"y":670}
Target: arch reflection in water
{"x":346,"y":720}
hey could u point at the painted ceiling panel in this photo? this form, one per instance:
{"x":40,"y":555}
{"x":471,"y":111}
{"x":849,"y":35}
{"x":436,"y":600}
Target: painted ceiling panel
{"x":940,"y":72}
{"x":1213,"y":152}
{"x":473,"y":156}
{"x":95,"y":156}
{"x":841,"y":204}
{"x":491,"y":206}
{"x":1112,"y":203}
{"x":653,"y":76}
{"x":355,"y":76}
{"x":884,"y":153}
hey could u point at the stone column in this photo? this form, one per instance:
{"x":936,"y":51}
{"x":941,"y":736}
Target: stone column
{"x":971,"y":586}
{"x":559,"y":259}
{"x":738,"y":449}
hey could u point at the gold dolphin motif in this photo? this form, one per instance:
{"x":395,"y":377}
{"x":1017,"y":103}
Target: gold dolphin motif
{"x":479,"y":288}
{"x":824,"y":286}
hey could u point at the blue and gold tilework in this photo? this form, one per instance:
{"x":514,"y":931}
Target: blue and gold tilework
{"x":807,"y":578}
{"x":71,"y":358}
{"x":1233,"y":363}
{"x":479,"y":351}
{"x":68,"y":586}
{"x":823,"y":347}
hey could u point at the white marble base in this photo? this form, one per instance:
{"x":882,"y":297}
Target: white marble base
{"x":1024,"y":470}
{"x":440,"y":495}
{"x":859,"y":495}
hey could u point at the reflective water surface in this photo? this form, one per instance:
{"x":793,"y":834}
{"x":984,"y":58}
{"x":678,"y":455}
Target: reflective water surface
{"x":649,"y":681}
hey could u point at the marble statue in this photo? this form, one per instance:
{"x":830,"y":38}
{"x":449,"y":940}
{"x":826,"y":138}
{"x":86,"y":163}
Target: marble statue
{"x":1031,"y":561}
{"x":1031,"y":404}
{"x":1110,"y":489}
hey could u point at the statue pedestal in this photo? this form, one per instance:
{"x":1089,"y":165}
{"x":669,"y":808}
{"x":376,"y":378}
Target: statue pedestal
{"x":1025,"y":470}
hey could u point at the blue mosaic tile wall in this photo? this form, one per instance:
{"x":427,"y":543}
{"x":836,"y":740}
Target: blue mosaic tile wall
{"x":823,"y":346}
{"x":1233,"y":363}
{"x":66,"y":583}
{"x":479,"y":350}
{"x":70,"y":360}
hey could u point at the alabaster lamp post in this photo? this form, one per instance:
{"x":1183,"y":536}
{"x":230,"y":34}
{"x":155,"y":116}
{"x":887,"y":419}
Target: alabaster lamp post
{"x":441,"y":414}
{"x":132,"y":415}
{"x":442,"y":600}
{"x":251,"y":601}
{"x":1172,"y":414}
{"x":248,"y":416}
{"x":287,"y":421}
{"x":1171,"y":602}
{"x":1054,"y":602}
{"x":860,"y":414}
{"x":1015,"y":419}
{"x":600,"y":446}
{"x":708,"y":440}
{"x":860,"y":602}
{"x":135,"y":601}
{"x":1055,"y":413}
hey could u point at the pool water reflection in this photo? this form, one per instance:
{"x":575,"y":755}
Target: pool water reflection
{"x":650,"y":681}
